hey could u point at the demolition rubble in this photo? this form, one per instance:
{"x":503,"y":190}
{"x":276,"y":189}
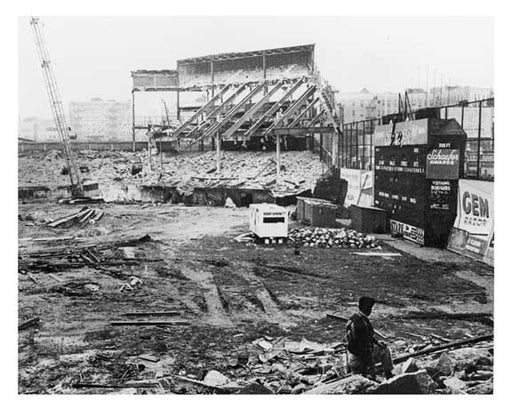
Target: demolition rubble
{"x":232,"y":266}
{"x":184,"y":172}
{"x":134,"y":309}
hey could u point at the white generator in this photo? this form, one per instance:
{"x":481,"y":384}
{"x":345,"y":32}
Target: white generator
{"x":268,"y":220}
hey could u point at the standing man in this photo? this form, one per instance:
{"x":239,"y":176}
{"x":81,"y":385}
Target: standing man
{"x":364,"y":349}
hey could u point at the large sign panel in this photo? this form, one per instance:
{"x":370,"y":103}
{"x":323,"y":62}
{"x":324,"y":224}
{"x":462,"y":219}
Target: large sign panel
{"x":405,"y":133}
{"x":473,"y":230}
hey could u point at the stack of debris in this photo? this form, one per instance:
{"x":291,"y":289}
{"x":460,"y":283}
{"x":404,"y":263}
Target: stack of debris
{"x":74,"y":256}
{"x":250,"y":170}
{"x":330,"y":237}
{"x":280,"y":366}
{"x":84,"y":216}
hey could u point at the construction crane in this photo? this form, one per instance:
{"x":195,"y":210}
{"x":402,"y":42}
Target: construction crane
{"x":77,"y":188}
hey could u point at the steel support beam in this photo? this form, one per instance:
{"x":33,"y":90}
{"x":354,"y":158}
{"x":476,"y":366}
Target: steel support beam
{"x":231,"y":113}
{"x":274,"y":108}
{"x":302,"y":130}
{"x":301,"y":114}
{"x":219,"y":109}
{"x":249,"y":113}
{"x":316,"y":118}
{"x":199,"y":112}
{"x":294,"y":107}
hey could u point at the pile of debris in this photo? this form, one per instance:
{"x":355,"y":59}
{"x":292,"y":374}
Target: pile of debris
{"x":250,"y":170}
{"x":280,"y":366}
{"x":331,"y":237}
{"x":81,"y":218}
{"x":101,"y":257}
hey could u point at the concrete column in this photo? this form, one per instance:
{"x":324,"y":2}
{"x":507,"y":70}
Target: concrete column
{"x":218,"y":151}
{"x":278,"y":157}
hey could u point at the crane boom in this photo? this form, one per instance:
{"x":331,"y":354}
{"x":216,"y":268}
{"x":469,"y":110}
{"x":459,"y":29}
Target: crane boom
{"x":75,"y":176}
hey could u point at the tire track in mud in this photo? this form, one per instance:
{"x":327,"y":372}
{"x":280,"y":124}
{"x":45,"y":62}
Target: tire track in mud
{"x":215,"y":314}
{"x":272,"y":311}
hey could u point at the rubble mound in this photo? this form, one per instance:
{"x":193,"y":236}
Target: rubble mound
{"x":331,"y":237}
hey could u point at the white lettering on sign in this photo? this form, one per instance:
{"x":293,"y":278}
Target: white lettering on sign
{"x":440,"y":157}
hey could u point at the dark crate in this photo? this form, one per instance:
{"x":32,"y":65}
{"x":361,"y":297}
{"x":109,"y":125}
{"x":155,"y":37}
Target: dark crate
{"x":368,"y":219}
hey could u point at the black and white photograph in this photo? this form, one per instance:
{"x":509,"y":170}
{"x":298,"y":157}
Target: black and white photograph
{"x":255,"y":204}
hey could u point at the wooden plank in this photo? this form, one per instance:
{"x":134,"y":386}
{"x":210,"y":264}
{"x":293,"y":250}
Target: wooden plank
{"x":200,"y":383}
{"x":68,"y":218}
{"x":28,"y":323}
{"x":149,"y":323}
{"x":444,"y":315}
{"x":452,"y":345}
{"x":157,"y":313}
{"x":51,"y":275}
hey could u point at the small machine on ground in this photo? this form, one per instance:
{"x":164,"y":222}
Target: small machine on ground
{"x":268,"y":222}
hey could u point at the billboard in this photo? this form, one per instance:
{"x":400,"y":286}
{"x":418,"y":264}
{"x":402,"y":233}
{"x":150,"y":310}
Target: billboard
{"x":406,"y":133}
{"x":473,"y":230}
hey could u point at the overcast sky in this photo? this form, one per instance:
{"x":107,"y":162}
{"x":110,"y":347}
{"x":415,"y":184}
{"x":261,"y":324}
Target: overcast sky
{"x":93,"y":56}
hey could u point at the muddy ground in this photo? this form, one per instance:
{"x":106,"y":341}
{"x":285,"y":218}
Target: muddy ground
{"x":230,"y":294}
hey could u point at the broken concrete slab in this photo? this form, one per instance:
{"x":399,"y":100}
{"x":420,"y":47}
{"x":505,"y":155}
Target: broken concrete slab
{"x":409,"y":383}
{"x":355,"y":384}
{"x":215,"y":378}
{"x":254,"y":388}
{"x":455,"y":385}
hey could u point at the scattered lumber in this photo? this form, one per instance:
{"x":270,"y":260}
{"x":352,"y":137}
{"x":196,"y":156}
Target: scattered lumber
{"x":134,"y":384}
{"x":28,"y":323}
{"x":442,"y":339}
{"x":33,"y":279}
{"x":81,"y":217}
{"x":338,"y":316}
{"x":51,"y":275}
{"x":51,"y":239}
{"x":209,"y":386}
{"x":149,"y":323}
{"x":55,"y":266}
{"x":477,"y":316}
{"x":451,"y":345}
{"x":382,"y":254}
{"x":414,"y":335}
{"x":158,"y":313}
{"x":445,"y":315}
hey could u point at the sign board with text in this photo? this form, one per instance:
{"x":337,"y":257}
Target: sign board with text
{"x":473,"y":230}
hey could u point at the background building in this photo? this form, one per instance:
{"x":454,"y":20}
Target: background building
{"x":100,"y":120}
{"x":366,"y":105}
{"x":37,"y":129}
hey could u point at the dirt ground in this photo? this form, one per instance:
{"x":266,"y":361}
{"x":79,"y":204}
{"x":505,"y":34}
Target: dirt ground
{"x":230,"y":294}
